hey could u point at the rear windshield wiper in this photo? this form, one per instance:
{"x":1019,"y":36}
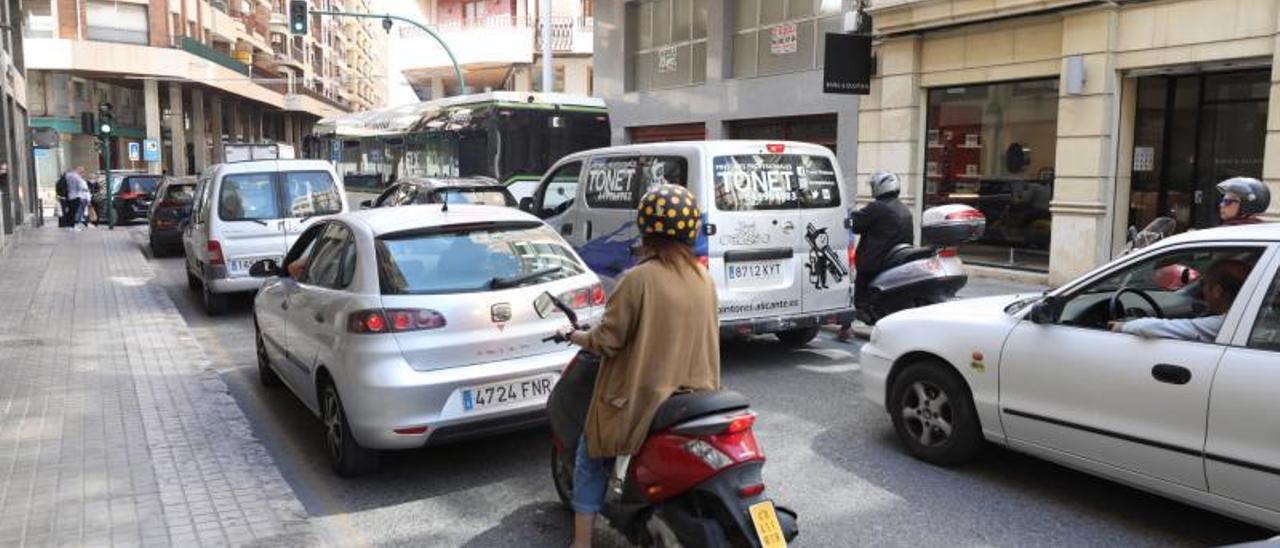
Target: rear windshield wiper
{"x":504,"y":283}
{"x":259,"y":221}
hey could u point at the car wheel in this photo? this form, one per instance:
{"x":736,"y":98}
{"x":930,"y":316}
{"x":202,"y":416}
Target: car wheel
{"x":797,"y":337}
{"x":933,"y":414}
{"x":266,"y":375}
{"x":345,"y":455}
{"x":157,"y":251}
{"x":562,"y":476}
{"x":214,"y":303}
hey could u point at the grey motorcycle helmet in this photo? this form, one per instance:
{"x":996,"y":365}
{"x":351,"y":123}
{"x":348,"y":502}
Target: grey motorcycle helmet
{"x":1254,"y":196}
{"x":884,"y":182}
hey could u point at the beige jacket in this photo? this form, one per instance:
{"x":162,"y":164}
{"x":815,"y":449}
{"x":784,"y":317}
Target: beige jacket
{"x":660,"y":333}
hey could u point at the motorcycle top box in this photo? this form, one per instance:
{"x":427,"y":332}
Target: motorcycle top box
{"x":951,"y":224}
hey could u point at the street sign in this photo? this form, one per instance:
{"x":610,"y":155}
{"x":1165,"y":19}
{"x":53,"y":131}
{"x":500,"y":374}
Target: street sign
{"x":848,"y":64}
{"x":335,"y":151}
{"x":135,"y":151}
{"x":150,"y":150}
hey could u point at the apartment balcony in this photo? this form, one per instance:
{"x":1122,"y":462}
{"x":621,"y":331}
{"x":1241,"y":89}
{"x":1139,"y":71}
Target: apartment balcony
{"x":569,"y":35}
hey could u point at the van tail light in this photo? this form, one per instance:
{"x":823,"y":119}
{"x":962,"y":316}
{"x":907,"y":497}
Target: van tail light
{"x":582,"y":298}
{"x":853,"y":255}
{"x":704,"y":261}
{"x":948,"y":252}
{"x":394,"y":320}
{"x":776,"y":148}
{"x":966,"y":215}
{"x":215,"y":254}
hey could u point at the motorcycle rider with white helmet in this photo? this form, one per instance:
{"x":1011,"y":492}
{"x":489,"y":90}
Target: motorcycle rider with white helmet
{"x":880,"y":225}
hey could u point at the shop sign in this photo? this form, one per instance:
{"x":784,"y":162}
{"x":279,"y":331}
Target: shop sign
{"x":848,"y":64}
{"x":783,"y":39}
{"x":667,"y":60}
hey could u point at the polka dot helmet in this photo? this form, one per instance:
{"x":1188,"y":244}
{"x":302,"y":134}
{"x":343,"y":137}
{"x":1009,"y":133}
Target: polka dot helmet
{"x":671,"y":211}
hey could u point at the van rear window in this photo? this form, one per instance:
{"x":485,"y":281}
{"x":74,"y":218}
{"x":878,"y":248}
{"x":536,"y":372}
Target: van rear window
{"x":757,"y":182}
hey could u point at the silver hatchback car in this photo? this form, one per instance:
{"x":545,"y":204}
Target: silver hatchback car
{"x":406,"y":326}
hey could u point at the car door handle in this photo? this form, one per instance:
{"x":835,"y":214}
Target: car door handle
{"x":566,"y":229}
{"x":1172,"y":374}
{"x":589,"y":231}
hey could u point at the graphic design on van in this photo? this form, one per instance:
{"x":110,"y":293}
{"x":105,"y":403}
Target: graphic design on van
{"x":758,"y":307}
{"x":610,"y":182}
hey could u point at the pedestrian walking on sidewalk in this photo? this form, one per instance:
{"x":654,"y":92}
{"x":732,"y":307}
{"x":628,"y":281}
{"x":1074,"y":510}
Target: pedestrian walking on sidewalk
{"x":78,"y":194}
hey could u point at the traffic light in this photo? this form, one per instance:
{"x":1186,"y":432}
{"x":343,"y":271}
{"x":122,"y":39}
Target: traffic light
{"x":297,"y":16}
{"x":106,"y":122}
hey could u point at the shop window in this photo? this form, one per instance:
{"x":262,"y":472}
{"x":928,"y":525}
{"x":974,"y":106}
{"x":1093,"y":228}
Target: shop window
{"x":994,"y":147}
{"x":116,"y":22}
{"x":669,"y":43}
{"x":781,"y":36}
{"x":819,"y":130}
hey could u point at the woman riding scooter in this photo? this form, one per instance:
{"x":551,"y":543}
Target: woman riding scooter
{"x":659,"y":334}
{"x":1243,"y":199}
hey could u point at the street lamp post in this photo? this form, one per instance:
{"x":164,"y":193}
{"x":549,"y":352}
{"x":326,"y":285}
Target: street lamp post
{"x":386,"y":24}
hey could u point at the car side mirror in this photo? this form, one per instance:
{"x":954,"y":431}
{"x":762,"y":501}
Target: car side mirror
{"x":367,"y":204}
{"x":526,"y":204}
{"x":1045,"y":312}
{"x":265,"y":268}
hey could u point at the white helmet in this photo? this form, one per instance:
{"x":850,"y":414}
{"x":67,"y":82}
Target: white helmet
{"x":884,"y":182}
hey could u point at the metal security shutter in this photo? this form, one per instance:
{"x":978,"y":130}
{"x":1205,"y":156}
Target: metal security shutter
{"x":672,"y":132}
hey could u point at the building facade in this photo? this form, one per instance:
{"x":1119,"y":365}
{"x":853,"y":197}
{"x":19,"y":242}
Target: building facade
{"x":191,"y":75}
{"x":723,"y":69}
{"x":498,"y":45}
{"x":1068,"y":121}
{"x":19,"y":201}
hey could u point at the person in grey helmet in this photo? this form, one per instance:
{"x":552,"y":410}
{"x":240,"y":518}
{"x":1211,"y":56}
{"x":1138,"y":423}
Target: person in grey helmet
{"x":880,"y":225}
{"x":1243,"y":199}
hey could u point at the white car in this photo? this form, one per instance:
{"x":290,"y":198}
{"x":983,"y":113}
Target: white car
{"x":1043,"y":374}
{"x":416,"y":325}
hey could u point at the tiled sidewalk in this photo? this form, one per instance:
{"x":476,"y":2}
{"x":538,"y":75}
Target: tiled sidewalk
{"x":114,"y":430}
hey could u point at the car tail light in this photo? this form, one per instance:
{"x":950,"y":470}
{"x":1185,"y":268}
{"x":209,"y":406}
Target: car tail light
{"x":776,"y":148}
{"x":215,"y":253}
{"x":948,"y":252}
{"x":853,"y":255}
{"x":165,"y":224}
{"x":582,"y":298}
{"x":394,"y":320}
{"x":965,"y":215}
{"x":128,"y":195}
{"x":740,"y":424}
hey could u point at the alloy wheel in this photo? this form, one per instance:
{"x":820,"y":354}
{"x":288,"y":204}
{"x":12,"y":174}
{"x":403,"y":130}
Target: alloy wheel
{"x":927,"y":414}
{"x":333,"y":424}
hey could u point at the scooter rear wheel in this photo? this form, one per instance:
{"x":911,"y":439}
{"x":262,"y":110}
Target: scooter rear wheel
{"x":562,"y":477}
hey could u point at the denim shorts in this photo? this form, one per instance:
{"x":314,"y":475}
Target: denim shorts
{"x":590,"y":480}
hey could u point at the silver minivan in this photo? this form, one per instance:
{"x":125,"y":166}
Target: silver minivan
{"x":245,"y":212}
{"x":776,"y":236}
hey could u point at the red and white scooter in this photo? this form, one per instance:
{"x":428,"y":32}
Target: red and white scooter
{"x":696,"y":481}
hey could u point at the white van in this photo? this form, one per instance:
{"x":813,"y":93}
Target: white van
{"x":776,"y":235}
{"x":248,"y":211}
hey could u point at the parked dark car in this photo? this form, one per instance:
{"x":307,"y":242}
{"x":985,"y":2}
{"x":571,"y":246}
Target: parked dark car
{"x":463,"y":190}
{"x":134,"y":194}
{"x":171,"y":207}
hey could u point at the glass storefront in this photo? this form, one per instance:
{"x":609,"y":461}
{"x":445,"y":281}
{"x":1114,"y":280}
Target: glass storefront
{"x":993,"y":146}
{"x":1192,"y":131}
{"x":669,"y":48}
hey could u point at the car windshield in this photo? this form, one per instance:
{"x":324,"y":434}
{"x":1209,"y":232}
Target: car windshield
{"x":476,"y":196}
{"x":473,"y":258}
{"x":146,"y":185}
{"x":310,"y":193}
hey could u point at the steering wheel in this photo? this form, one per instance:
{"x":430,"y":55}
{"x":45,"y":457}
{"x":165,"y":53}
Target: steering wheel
{"x":1116,"y":309}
